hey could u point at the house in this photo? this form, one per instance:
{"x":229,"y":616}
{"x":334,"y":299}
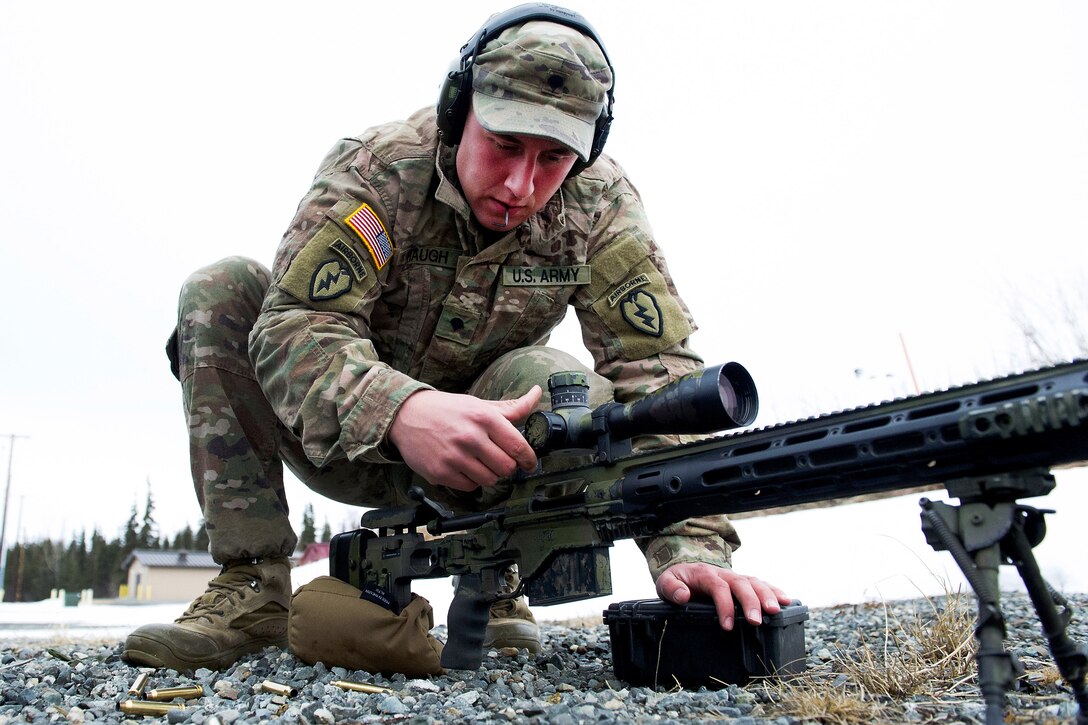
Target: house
{"x":314,"y":552}
{"x":167,"y":576}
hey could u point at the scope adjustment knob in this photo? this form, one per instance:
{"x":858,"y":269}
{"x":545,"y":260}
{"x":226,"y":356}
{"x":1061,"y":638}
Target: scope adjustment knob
{"x":545,"y":430}
{"x":569,"y":390}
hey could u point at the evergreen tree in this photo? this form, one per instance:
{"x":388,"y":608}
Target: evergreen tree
{"x":106,"y":566}
{"x":200,"y":541}
{"x":40,"y":569}
{"x":184,"y":539}
{"x":11,"y":574}
{"x":131,"y":538}
{"x":14,"y":573}
{"x":148,"y":536}
{"x":309,"y":533}
{"x":75,"y":574}
{"x":326,"y":533}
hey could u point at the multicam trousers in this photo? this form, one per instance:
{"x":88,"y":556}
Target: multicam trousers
{"x":238,"y":446}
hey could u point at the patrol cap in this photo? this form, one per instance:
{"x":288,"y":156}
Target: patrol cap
{"x":542,"y":79}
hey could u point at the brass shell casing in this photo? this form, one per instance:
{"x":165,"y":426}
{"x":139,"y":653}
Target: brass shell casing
{"x":360,"y":687}
{"x":187,"y":692}
{"x":138,"y":685}
{"x":142,"y":707}
{"x":277,"y":689}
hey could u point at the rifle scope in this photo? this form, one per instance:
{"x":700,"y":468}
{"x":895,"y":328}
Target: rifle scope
{"x":715,"y":399}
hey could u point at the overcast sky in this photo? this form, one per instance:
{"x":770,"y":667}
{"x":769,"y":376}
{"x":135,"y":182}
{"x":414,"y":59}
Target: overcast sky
{"x":835,"y":184}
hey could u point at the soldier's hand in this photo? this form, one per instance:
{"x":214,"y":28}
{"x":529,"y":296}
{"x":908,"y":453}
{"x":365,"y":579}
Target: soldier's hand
{"x":463,"y":442}
{"x":679,"y":582}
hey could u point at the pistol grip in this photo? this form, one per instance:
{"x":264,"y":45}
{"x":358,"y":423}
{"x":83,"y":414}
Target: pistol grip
{"x":466,"y":624}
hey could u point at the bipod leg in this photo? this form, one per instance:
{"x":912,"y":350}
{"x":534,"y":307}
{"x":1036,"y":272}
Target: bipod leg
{"x":1071,"y":659}
{"x":998,"y":669}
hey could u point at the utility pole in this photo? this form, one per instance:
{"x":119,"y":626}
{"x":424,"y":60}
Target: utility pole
{"x":910,"y":367}
{"x":22,"y":552}
{"x":4,"y":520}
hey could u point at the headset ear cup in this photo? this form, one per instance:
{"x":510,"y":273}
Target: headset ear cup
{"x":453,"y":102}
{"x":600,"y":136}
{"x":604,"y":125}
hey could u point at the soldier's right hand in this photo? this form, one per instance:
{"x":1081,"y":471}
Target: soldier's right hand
{"x":463,"y":442}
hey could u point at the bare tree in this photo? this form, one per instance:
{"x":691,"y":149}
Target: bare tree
{"x":1054,"y":325}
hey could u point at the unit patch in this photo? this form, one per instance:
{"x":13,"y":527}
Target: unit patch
{"x":370,"y":229}
{"x":642,"y":312}
{"x":546,"y":276}
{"x":618,"y":293}
{"x":330,"y":280}
{"x":349,"y":255}
{"x":330,"y":272}
{"x":636,"y":302}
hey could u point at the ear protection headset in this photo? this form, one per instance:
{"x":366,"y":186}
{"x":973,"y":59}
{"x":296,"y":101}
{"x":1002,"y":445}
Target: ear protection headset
{"x":456,"y":94}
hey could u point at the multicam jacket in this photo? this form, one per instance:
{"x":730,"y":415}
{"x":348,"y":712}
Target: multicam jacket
{"x":384,"y":285}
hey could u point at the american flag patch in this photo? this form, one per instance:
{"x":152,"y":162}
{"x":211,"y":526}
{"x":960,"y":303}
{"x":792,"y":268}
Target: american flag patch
{"x":371,"y":230}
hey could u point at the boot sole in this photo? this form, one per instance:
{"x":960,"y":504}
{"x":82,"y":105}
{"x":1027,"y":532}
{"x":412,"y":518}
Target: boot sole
{"x":533,"y":645}
{"x":154,"y":653}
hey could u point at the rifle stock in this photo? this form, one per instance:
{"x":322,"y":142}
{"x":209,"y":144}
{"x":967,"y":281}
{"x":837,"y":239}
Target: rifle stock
{"x":557,"y":526}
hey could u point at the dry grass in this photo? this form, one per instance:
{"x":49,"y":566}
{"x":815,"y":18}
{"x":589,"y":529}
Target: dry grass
{"x":924,"y":655}
{"x":1042,"y":674}
{"x":928,"y":654}
{"x":810,"y":697}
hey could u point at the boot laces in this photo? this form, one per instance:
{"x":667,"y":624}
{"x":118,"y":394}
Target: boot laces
{"x":504,"y":608}
{"x":224,"y":592}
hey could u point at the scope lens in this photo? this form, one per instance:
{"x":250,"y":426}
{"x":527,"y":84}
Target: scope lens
{"x":738,"y":394}
{"x":728,"y":396}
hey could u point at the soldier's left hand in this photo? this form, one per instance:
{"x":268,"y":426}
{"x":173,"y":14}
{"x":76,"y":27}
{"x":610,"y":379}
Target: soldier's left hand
{"x":680,"y":582}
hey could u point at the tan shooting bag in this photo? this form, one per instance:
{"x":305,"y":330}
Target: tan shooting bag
{"x":331,"y":622}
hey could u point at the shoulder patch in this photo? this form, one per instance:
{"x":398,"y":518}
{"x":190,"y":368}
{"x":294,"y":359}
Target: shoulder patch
{"x":624,"y":290}
{"x":347,"y":253}
{"x":365,"y":223}
{"x":642,"y":312}
{"x":330,"y":280}
{"x":328,"y":273}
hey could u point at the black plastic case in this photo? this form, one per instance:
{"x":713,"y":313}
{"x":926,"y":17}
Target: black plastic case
{"x":659,"y":643}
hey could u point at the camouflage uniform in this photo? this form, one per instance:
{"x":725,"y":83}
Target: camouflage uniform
{"x":383,"y":286}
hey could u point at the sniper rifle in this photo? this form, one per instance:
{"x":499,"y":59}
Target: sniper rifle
{"x":989,"y":443}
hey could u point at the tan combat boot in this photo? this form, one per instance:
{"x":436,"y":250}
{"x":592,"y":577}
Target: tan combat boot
{"x":510,"y":623}
{"x":244,"y":610}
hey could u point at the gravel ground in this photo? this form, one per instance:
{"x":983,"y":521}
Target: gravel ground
{"x":571,"y":682}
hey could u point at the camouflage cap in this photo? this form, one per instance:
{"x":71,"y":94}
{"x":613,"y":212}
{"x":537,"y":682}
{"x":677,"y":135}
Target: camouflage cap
{"x":542,"y":79}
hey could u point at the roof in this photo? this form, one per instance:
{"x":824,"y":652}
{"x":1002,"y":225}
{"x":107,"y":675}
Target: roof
{"x":171,"y":559}
{"x":315,"y":552}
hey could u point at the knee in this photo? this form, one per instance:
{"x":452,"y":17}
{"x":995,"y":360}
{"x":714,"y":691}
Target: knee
{"x":242,"y":280}
{"x":218,"y":306}
{"x":516,"y":372}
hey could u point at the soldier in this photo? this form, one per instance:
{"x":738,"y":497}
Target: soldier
{"x":398,"y":339}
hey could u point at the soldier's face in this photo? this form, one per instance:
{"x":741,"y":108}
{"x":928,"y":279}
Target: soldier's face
{"x":508,"y":178}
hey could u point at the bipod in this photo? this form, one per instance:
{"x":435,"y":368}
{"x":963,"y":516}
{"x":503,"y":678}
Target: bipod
{"x":989,"y":528}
